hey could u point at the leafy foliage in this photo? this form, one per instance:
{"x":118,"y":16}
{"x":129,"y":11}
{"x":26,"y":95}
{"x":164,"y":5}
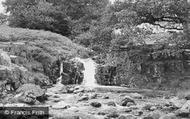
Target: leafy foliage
{"x":3,"y":18}
{"x":142,"y":57}
{"x":61,"y":16}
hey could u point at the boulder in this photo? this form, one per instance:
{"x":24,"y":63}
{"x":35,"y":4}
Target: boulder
{"x":169,"y":116}
{"x":184,"y":111}
{"x":187,"y":97}
{"x":106,"y":111}
{"x":111,"y":103}
{"x":136,"y":95}
{"x":96,"y":104}
{"x":33,"y":89}
{"x":176,"y":102}
{"x":153,"y":115}
{"x":12,"y":77}
{"x":28,"y":98}
{"x":153,"y":108}
{"x":83,"y":98}
{"x":126,"y":110}
{"x":126,"y":100}
{"x":105,"y":97}
{"x":61,"y":105}
{"x":70,"y":90}
{"x":66,"y":114}
{"x":137,"y":112}
{"x":78,"y":90}
{"x":127,"y":117}
{"x":5,"y":59}
{"x":93,"y":96}
{"x":112,"y":115}
{"x":149,"y":107}
{"x":130,"y":104}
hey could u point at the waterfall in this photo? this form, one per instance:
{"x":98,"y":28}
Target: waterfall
{"x":89,"y":72}
{"x":60,"y":73}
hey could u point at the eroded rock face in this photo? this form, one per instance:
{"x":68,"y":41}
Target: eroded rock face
{"x":105,"y":75}
{"x":12,"y":76}
{"x":72,"y":72}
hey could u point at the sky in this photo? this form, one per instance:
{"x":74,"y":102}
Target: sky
{"x":1,"y":7}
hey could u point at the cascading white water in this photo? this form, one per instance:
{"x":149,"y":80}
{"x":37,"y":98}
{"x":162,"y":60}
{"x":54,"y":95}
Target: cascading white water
{"x":89,"y":72}
{"x":60,"y":73}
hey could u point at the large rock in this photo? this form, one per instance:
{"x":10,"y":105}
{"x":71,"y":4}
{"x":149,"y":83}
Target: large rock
{"x":105,"y":75}
{"x":72,"y":72}
{"x":93,"y":96}
{"x":106,"y":111}
{"x":111,"y":103}
{"x":96,"y":104}
{"x":28,"y":98}
{"x":12,"y":77}
{"x":127,"y":117}
{"x":61,"y":105}
{"x":113,"y":115}
{"x":126,"y":100}
{"x":5,"y":59}
{"x":35,"y":90}
{"x":176,"y":102}
{"x":187,"y":97}
{"x":84,"y":98}
{"x":169,"y":116}
{"x":136,"y":95}
{"x":79,"y":90}
{"x":184,"y":111}
{"x":153,"y":115}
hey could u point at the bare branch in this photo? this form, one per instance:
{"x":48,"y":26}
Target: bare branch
{"x":167,"y":27}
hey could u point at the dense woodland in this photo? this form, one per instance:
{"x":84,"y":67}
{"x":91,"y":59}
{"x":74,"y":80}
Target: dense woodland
{"x":112,"y":31}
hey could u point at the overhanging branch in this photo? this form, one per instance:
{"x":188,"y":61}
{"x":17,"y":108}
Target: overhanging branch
{"x":167,"y":27}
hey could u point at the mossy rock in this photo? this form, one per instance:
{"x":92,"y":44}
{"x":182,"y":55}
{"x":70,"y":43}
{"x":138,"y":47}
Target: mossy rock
{"x":32,"y":88}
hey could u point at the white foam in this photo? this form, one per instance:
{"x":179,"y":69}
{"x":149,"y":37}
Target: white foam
{"x":89,"y":72}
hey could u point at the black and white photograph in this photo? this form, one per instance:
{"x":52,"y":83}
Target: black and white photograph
{"x":94,"y":59}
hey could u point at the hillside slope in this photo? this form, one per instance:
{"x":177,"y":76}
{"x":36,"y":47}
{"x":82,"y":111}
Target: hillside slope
{"x":39,"y":52}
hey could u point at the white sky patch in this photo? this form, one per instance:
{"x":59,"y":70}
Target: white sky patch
{"x":2,"y":9}
{"x":112,"y":1}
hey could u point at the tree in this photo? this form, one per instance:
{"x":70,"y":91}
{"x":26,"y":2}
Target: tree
{"x":37,"y":14}
{"x":61,"y":16}
{"x":3,"y":18}
{"x":129,"y":51}
{"x":172,"y":12}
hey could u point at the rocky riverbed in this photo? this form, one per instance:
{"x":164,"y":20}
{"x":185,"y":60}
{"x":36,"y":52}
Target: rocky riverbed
{"x":78,"y":102}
